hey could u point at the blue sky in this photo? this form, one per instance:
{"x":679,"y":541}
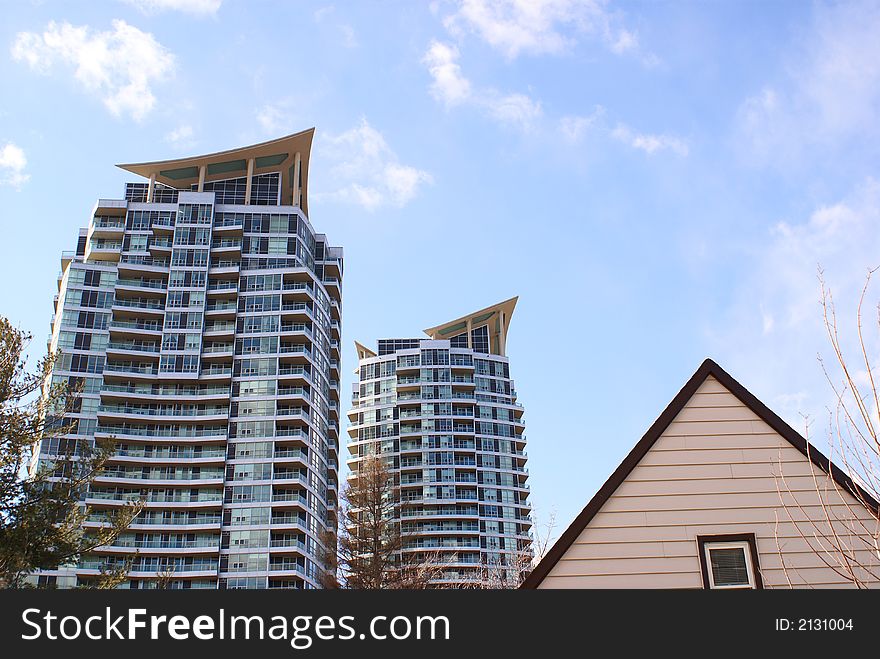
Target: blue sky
{"x":656,"y":181}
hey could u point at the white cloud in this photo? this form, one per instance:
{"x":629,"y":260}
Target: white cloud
{"x":452,"y":88}
{"x":349,"y":38}
{"x":773,"y":330}
{"x":120,"y":65}
{"x":180,"y":137}
{"x":829,"y":95}
{"x":276,"y":118}
{"x":514,"y":109}
{"x":514,"y":27}
{"x":195,"y":7}
{"x":648,"y":143}
{"x":12,"y":165}
{"x":366,"y":170}
{"x":575,"y":127}
{"x":322,"y":12}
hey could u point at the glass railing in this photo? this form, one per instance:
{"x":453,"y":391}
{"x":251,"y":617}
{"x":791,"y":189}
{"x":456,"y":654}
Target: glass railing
{"x":108,"y":222}
{"x":290,"y":497}
{"x":139,"y":347}
{"x":149,"y":325}
{"x":151,"y":390}
{"x":217,"y":371}
{"x":174,"y":521}
{"x":226,"y":347}
{"x":136,"y":259}
{"x":291,"y":453}
{"x":292,"y":391}
{"x":171,"y":476}
{"x":282,"y":475}
{"x":170,"y":455}
{"x":293,"y":370}
{"x":219,"y":327}
{"x":296,"y":327}
{"x":212,"y":542}
{"x":288,"y":543}
{"x":224,"y":263}
{"x":130,"y":368}
{"x":183,"y":431}
{"x":295,"y":348}
{"x":292,"y":411}
{"x":139,"y":304}
{"x":287,"y":567}
{"x":162,"y":411}
{"x":142,"y":283}
{"x":229,"y":222}
{"x":223,"y":286}
{"x":290,"y":432}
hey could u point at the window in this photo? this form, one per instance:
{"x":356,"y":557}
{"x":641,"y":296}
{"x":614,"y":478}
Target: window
{"x":480,"y":339}
{"x":729,"y":561}
{"x":459,"y":341}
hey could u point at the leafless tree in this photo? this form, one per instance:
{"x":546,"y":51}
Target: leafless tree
{"x":369,"y":553}
{"x":165,"y":576}
{"x":845,"y":534}
{"x":514,"y":567}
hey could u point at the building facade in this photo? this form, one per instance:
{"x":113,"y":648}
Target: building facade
{"x":442,"y":411}
{"x":200,"y":315}
{"x":720,"y":493}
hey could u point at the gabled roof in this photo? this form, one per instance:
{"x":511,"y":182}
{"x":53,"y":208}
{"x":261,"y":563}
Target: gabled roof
{"x":276,"y":155}
{"x":707,"y":368}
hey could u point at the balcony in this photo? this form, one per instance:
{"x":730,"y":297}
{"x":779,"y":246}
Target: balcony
{"x":126,"y":347}
{"x":142,"y":305}
{"x":132,"y":370}
{"x":219,"y":328}
{"x":143,"y":262}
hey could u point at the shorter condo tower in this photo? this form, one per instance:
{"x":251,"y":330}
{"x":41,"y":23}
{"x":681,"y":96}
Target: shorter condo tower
{"x":443,"y":413}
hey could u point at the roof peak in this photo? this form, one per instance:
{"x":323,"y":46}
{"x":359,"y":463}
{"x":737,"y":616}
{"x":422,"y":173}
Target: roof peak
{"x":707,"y":368}
{"x":287,"y":155}
{"x":496,"y":316}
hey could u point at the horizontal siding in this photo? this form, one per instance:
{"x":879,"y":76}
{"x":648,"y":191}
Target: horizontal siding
{"x":677,"y":533}
{"x":635,"y":580}
{"x":717,"y":469}
{"x":700,"y":455}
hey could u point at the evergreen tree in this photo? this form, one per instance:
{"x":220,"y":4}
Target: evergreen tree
{"x":41,"y":514}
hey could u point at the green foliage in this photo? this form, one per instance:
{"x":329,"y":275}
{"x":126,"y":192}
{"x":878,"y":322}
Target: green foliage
{"x":41,"y":514}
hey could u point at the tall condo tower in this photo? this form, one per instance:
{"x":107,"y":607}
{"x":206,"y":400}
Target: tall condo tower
{"x":200,"y":314}
{"x":443,"y":413}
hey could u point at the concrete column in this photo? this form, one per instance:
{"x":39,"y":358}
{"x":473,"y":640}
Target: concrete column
{"x":202,"y":178}
{"x":297,"y":163}
{"x":470,"y":342}
{"x":502,"y":339}
{"x":151,"y":187}
{"x":250,"y":177}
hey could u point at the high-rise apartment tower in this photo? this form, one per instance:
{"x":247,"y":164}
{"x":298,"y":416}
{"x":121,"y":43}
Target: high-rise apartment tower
{"x":443,"y":413}
{"x":200,"y":314}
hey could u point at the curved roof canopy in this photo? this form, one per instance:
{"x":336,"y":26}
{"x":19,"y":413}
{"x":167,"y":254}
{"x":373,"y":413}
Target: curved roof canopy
{"x":497,"y":317}
{"x":278,"y":155}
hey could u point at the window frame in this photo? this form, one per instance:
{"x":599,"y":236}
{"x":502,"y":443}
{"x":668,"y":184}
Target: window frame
{"x":745,"y":541}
